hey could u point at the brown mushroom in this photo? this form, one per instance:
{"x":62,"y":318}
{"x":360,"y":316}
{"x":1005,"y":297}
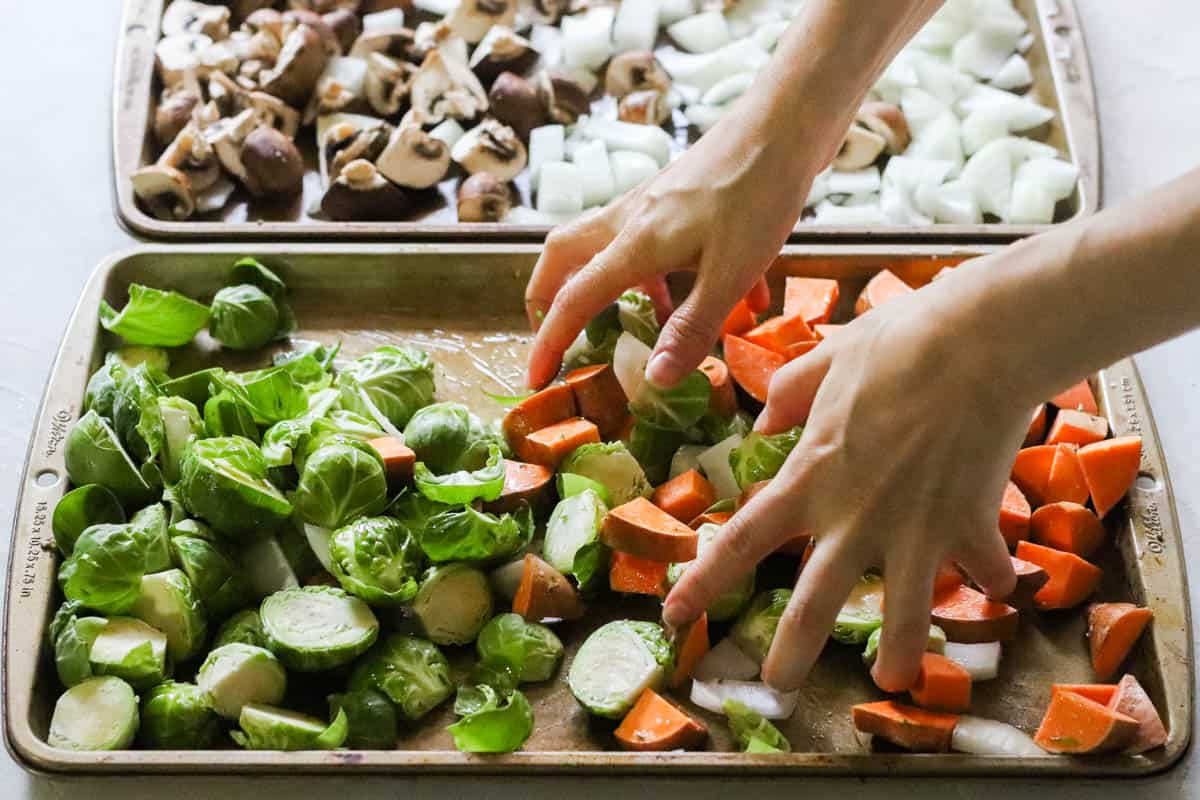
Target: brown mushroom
{"x":273,"y":164}
{"x":563,"y":97}
{"x":547,"y":12}
{"x":297,"y":17}
{"x":388,"y":83}
{"x":635,"y":71}
{"x":390,"y":38}
{"x":648,"y":107}
{"x":490,"y":147}
{"x":225,"y":137}
{"x":300,"y":62}
{"x":502,"y":50}
{"x":270,"y":110}
{"x":266,"y":20}
{"x":483,"y":197}
{"x":165,"y":192}
{"x":349,"y":141}
{"x":444,"y":87}
{"x":413,"y":158}
{"x":175,"y":108}
{"x":346,"y":26}
{"x":178,"y":55}
{"x":190,"y":153}
{"x":472,"y":19}
{"x":888,"y":121}
{"x":515,"y":102}
{"x":361,"y":193}
{"x":859,"y":149}
{"x":187,"y":16}
{"x":325,"y":6}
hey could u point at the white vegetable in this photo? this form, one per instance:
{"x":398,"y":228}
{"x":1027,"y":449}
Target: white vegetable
{"x":545,"y":145}
{"x":728,"y":89}
{"x":989,"y":173}
{"x":267,"y":568}
{"x":768,"y":35}
{"x":100,"y":713}
{"x":649,"y":139}
{"x":670,"y":11}
{"x":436,"y":7}
{"x":630,"y":168}
{"x":819,"y":189}
{"x":524,"y":215}
{"x":703,"y":70}
{"x":941,"y":140}
{"x":1058,"y":176}
{"x":830,"y":214}
{"x":920,"y":109}
{"x":863,"y":180}
{"x":449,"y":131}
{"x":594,"y":171}
{"x":898,"y":77}
{"x":1014,"y":74}
{"x":318,"y":541}
{"x":559,"y":188}
{"x":686,"y":457}
{"x":983,"y":125}
{"x":393,"y":17}
{"x":989,"y":737}
{"x":586,"y":40}
{"x":726,"y":661}
{"x":548,"y":41}
{"x":952,"y":202}
{"x":630,"y":357}
{"x":1032,"y":203}
{"x":980,"y":55}
{"x":942,"y":80}
{"x":715,"y":462}
{"x":981,"y":660}
{"x":711,"y":696}
{"x":636,"y":26}
{"x":702,"y":116}
{"x":858,"y":199}
{"x":898,"y":205}
{"x":702,"y":33}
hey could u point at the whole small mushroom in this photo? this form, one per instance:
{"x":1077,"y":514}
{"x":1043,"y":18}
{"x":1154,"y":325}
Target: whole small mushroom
{"x":648,"y":107}
{"x":859,"y":149}
{"x":483,"y":197}
{"x":175,"y":111}
{"x":272,"y":162}
{"x":413,"y":158}
{"x":472,"y":19}
{"x":563,"y":97}
{"x":635,"y":71}
{"x":502,"y":50}
{"x":515,"y":102}
{"x":490,"y":147}
{"x":888,"y":121}
{"x":300,"y":62}
{"x":361,"y":193}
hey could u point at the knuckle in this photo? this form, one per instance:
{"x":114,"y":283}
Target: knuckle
{"x":689,"y":328}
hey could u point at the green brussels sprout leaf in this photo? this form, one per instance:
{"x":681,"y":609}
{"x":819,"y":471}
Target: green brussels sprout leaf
{"x":155,"y":317}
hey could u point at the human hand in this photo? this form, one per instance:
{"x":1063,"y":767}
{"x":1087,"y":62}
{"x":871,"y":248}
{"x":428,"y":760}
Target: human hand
{"x":912,"y":426}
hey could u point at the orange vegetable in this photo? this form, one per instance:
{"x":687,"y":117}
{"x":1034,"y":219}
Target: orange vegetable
{"x":1071,"y":578}
{"x":398,"y":458}
{"x":752,"y":366}
{"x":551,"y":445}
{"x":1037,"y":427}
{"x":1030,"y":579}
{"x":1066,"y":483}
{"x":907,"y":726}
{"x":942,"y":684}
{"x":1069,"y":527}
{"x":599,"y":397}
{"x":653,"y":724}
{"x":714,"y":517}
{"x":1102,"y":693}
{"x":1075,"y":724}
{"x":882,"y":288}
{"x":1014,"y":515}
{"x":685,"y":496}
{"x":632,"y":575}
{"x":1131,"y":700}
{"x":539,"y":410}
{"x":723,"y":399}
{"x":1110,"y":468}
{"x":545,"y":593}
{"x":798,"y":349}
{"x":780,"y":333}
{"x":814,"y":299}
{"x":522,"y":482}
{"x":740,"y":320}
{"x":968,"y":616}
{"x":808,"y":552}
{"x":825,"y":331}
{"x":691,"y":645}
{"x":1078,"y":398}
{"x":947,"y":579}
{"x":1077,"y":427}
{"x":1113,"y":629}
{"x":643,"y":529}
{"x":1031,"y":472}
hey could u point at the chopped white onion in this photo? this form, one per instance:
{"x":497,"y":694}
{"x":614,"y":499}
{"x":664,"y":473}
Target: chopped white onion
{"x":630,"y":168}
{"x":594,"y":170}
{"x":940,"y":140}
{"x":830,"y":214}
{"x":726,"y":661}
{"x":687,"y":457}
{"x":587,"y":37}
{"x":863,"y":180}
{"x":438,"y":8}
{"x":267,"y":568}
{"x":1032,"y":203}
{"x":649,"y":139}
{"x":982,"y":660}
{"x":636,"y":26}
{"x":524,"y":215}
{"x":989,"y":737}
{"x":728,"y":89}
{"x":980,"y":55}
{"x":989,"y":173}
{"x":920,"y":109}
{"x":700,"y":33}
{"x":548,"y":41}
{"x":768,"y":35}
{"x":983,"y":125}
{"x":506,"y":578}
{"x":671,"y":11}
{"x":1014,"y":74}
{"x":391,"y":18}
{"x":559,"y":188}
{"x":629,"y":363}
{"x":318,"y":541}
{"x":711,"y":696}
{"x":1058,"y":176}
{"x":715,"y":461}
{"x":702,"y":116}
{"x":703,"y":70}
{"x":449,"y":131}
{"x":942,"y":80}
{"x":545,"y":145}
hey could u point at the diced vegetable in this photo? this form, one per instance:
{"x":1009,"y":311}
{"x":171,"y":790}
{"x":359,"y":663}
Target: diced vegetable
{"x":715,"y":463}
{"x":98,"y":714}
{"x":573,"y":536}
{"x":1014,"y":515}
{"x":942,"y":684}
{"x":988,"y":737}
{"x":453,"y":603}
{"x":980,"y":659}
{"x":642,"y":529}
{"x":544,"y":593}
{"x":1075,"y":724}
{"x":653,"y":724}
{"x":968,"y":616}
{"x":540,"y":410}
{"x":685,"y":496}
{"x":912,"y":728}
{"x":1113,"y":629}
{"x":691,"y":645}
{"x":759,"y":456}
{"x":726,"y":661}
{"x":1030,"y":580}
{"x":734,"y":598}
{"x":1110,"y":468}
{"x":752,"y":732}
{"x":1131,"y":700}
{"x":862,"y":612}
{"x":523,"y":483}
{"x":268,"y":728}
{"x":131,"y":650}
{"x":1077,"y":427}
{"x":168,"y":603}
{"x":399,"y":460}
{"x":883,"y":287}
{"x":814,"y":299}
{"x":1036,"y":434}
{"x":313,"y":628}
{"x":236,"y":674}
{"x":1072,"y":579}
{"x":1031,"y":472}
{"x":616,"y":663}
{"x":629,"y":574}
{"x":613,"y":466}
{"x":1065,"y":482}
{"x":936,"y":643}
{"x":751,"y":366}
{"x":754,"y":630}
{"x":177,"y":716}
{"x":758,"y":697}
{"x":1067,"y":526}
{"x":740,"y":319}
{"x":1078,"y":398}
{"x":550,"y":445}
{"x":781,"y":334}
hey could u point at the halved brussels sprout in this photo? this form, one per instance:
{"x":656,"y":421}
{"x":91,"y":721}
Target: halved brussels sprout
{"x":250,"y":270}
{"x":244,"y":627}
{"x":225,"y":482}
{"x":498,"y":725}
{"x":136,"y":418}
{"x":616,"y":663}
{"x":862,"y":612}
{"x":410,"y":671}
{"x":467,"y":534}
{"x":244,"y":317}
{"x":371,"y":718}
{"x":151,"y":525}
{"x":94,"y":454}
{"x":181,"y":421}
{"x":531,"y":649}
{"x":177,"y":716}
{"x":733,"y":599}
{"x":342,"y":481}
{"x":265,"y":727}
{"x":236,"y":674}
{"x":569,"y":484}
{"x":314,"y":628}
{"x":752,"y":732}
{"x":612,"y":465}
{"x":169,"y":603}
{"x":377,"y":559}
{"x":100,"y":713}
{"x":338,"y":425}
{"x":453,"y":603}
{"x":572,"y":543}
{"x":447,"y":437}
{"x":392,"y":382}
{"x":195,"y":387}
{"x":936,"y":643}
{"x":674,"y":409}
{"x":760,"y":457}
{"x":225,"y":414}
{"x":213,"y":572}
{"x":105,"y":569}
{"x":636,"y":315}
{"x":71,"y":636}
{"x":654,"y":447}
{"x":101,"y":387}
{"x":131,"y":650}
{"x":133,"y":355}
{"x":755,"y":628}
{"x":462,"y":487}
{"x":81,"y":508}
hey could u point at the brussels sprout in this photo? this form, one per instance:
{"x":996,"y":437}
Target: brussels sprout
{"x":101,"y":387}
{"x":181,"y":421}
{"x":130,"y":650}
{"x":936,"y":643}
{"x":447,"y":437}
{"x":244,"y":627}
{"x":530,"y":648}
{"x":195,"y":387}
{"x":81,"y":508}
{"x":150,"y":525}
{"x":392,"y":382}
{"x":453,"y":603}
{"x":338,"y":426}
{"x":250,"y":270}
{"x":569,"y":484}
{"x":409,"y":671}
{"x":296,"y":549}
{"x":465,"y":534}
{"x":226,"y":414}
{"x":616,"y":663}
{"x":760,"y":457}
{"x":371,"y":718}
{"x":717,"y":428}
{"x":685,"y":458}
{"x":755,"y":628}
{"x":654,"y":447}
{"x":244,"y":317}
{"x":637,"y":316}
{"x":267,"y":568}
{"x":100,"y":713}
{"x":268,"y":728}
{"x":169,"y":603}
{"x":105,"y":569}
{"x":94,"y":454}
{"x":133,"y":355}
{"x":733,"y":599}
{"x":214,"y":574}
{"x":862,"y":612}
{"x":496,"y":726}
{"x":176,"y":716}
{"x":236,"y":674}
{"x":485,"y":483}
{"x":314,"y":628}
{"x":341,"y":481}
{"x":612,"y":465}
{"x":377,"y":559}
{"x":633,"y":313}
{"x":674,"y":409}
{"x":136,"y":418}
{"x":752,"y":733}
{"x":572,"y":544}
{"x":72,"y":637}
{"x":224,"y":481}
{"x":154,"y":317}
{"x":272,"y":395}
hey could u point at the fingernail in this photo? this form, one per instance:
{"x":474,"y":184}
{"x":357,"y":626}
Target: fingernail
{"x":660,"y":372}
{"x":760,"y":423}
{"x":674,"y":614}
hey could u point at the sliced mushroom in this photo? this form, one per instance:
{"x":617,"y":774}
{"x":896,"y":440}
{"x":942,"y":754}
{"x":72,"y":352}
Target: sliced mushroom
{"x":502,"y":50}
{"x":472,"y":19}
{"x":325,"y":6}
{"x":361,"y":193}
{"x":388,"y":83}
{"x":189,"y":153}
{"x":217,"y":57}
{"x":483,"y":197}
{"x":225,"y":137}
{"x":186,"y":16}
{"x":300,"y":62}
{"x":345,"y":25}
{"x":444,"y":87}
{"x":272,"y":111}
{"x":227,"y":93}
{"x":413,"y":158}
{"x":562,"y":96}
{"x":175,"y":56}
{"x":394,"y":40}
{"x":353,"y":139}
{"x":273,"y":164}
{"x":265,"y":20}
{"x":547,"y":12}
{"x":215,"y":197}
{"x":490,"y":147}
{"x":341,"y":87}
{"x":888,"y":121}
{"x":515,"y":102}
{"x":431,"y":36}
{"x":261,"y":46}
{"x":206,"y":114}
{"x":165,"y":192}
{"x":649,"y":107}
{"x":295,"y":18}
{"x":635,"y":71}
{"x":859,"y":149}
{"x":175,"y":108}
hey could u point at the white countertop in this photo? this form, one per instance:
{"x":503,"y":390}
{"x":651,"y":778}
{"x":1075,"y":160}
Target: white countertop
{"x":56,"y":223}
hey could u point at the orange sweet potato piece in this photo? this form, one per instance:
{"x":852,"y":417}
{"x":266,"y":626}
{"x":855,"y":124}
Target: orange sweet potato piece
{"x":780,"y":333}
{"x":1036,"y":433}
{"x":549,"y":446}
{"x":1014,"y":515}
{"x":1071,"y":578}
{"x":539,"y":410}
{"x":545,"y":593}
{"x":643,"y":529}
{"x":740,"y":319}
{"x":1031,"y":472}
{"x":1113,"y":629}
{"x":654,"y":724}
{"x":522,"y":482}
{"x":825,"y":331}
{"x":1075,"y":724}
{"x":968,"y":616}
{"x":800,"y":348}
{"x":882,"y":288}
{"x":685,"y":496}
{"x":1069,"y":527}
{"x":947,"y":579}
{"x":909,"y":727}
{"x":1131,"y":700}
{"x":713,"y":517}
{"x":599,"y":397}
{"x":1030,"y":580}
{"x":752,"y":366}
{"x":1066,"y":483}
{"x":1078,"y":428}
{"x":1078,"y":398}
{"x":1102,"y":693}
{"x":814,"y":299}
{"x":1110,"y":468}
{"x":398,"y":458}
{"x":632,"y":575}
{"x":691,"y":645}
{"x":942,"y":684}
{"x":723,"y":399}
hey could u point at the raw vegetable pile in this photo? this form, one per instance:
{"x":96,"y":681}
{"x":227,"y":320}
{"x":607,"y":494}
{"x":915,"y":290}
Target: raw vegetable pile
{"x":586,"y":100}
{"x":293,"y":557}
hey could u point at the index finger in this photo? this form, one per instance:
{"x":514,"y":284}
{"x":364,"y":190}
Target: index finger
{"x":567,"y":249}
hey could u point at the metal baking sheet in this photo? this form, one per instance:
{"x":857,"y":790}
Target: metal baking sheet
{"x":1058,"y":59}
{"x":464,"y":303}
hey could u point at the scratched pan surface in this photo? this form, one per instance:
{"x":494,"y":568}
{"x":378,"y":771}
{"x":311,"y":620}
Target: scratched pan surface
{"x":464,"y":304}
{"x":1058,"y":60}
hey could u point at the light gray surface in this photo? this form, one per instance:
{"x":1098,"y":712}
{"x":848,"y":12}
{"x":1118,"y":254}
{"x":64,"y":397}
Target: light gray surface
{"x":57,"y":223}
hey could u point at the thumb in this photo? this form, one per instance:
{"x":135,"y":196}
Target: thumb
{"x":792,"y":391}
{"x":688,"y":335}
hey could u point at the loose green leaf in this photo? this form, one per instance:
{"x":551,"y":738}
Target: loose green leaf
{"x":154,"y":317}
{"x":224,"y":481}
{"x":463,"y":486}
{"x":677,"y":408}
{"x":760,"y":457}
{"x":467,"y":534}
{"x":391,"y":381}
{"x":496,"y":727}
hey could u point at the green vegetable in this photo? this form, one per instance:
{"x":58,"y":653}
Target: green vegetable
{"x":392,"y":382}
{"x":936,"y":643}
{"x":132,"y":355}
{"x":100,"y":713}
{"x":195,"y":387}
{"x":214,"y":574}
{"x":530,"y":649}
{"x":447,"y":437}
{"x":654,"y":447}
{"x":572,"y":544}
{"x":105,"y":569}
{"x":760,"y":457}
{"x":465,"y":534}
{"x":130,"y":650}
{"x":226,"y":414}
{"x":409,"y":671}
{"x":273,"y":394}
{"x":636,"y":315}
{"x":313,"y":628}
{"x":265,"y":727}
{"x":224,"y":481}
{"x":94,"y":454}
{"x":453,"y":603}
{"x":81,"y":508}
{"x":72,"y":637}
{"x":169,"y":603}
{"x":236,"y":674}
{"x":136,"y":418}
{"x":862,"y":612}
{"x":677,"y":408}
{"x":377,"y":559}
{"x":371,"y":718}
{"x":341,"y":481}
{"x":754,"y":630}
{"x":613,"y":466}
{"x":244,"y":317}
{"x":150,"y":526}
{"x":752,"y":733}
{"x":716,"y":428}
{"x":250,"y":270}
{"x":339,"y":426}
{"x":244,"y":627}
{"x":180,"y":421}
{"x":464,"y":486}
{"x":569,"y":484}
{"x":102,"y":387}
{"x":154,"y":317}
{"x":616,"y":663}
{"x":733,"y":599}
{"x":176,"y":716}
{"x":497,"y":726}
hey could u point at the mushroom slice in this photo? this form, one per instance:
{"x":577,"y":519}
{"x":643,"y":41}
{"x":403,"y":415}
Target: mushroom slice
{"x":390,"y":39}
{"x":301,"y":61}
{"x":413,"y":158}
{"x":215,"y":197}
{"x":859,"y":149}
{"x":546,"y":12}
{"x":175,"y":108}
{"x":346,"y":26}
{"x":165,"y":192}
{"x":387,"y":83}
{"x":361,"y":193}
{"x":483,"y":197}
{"x":325,"y":6}
{"x":297,"y":17}
{"x":340,"y":86}
{"x":515,"y":102}
{"x":472,"y":19}
{"x":265,"y":20}
{"x":177,"y":55}
{"x":444,"y":87}
{"x":502,"y":50}
{"x":261,"y":46}
{"x":189,"y":153}
{"x":272,"y":111}
{"x":491,"y":147}
{"x":438,"y":36}
{"x":273,"y":164}
{"x":888,"y":121}
{"x":186,"y":16}
{"x":564,"y":98}
{"x":635,"y":71}
{"x":648,"y":107}
{"x":225,"y":137}
{"x":217,"y":57}
{"x":349,"y":138}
